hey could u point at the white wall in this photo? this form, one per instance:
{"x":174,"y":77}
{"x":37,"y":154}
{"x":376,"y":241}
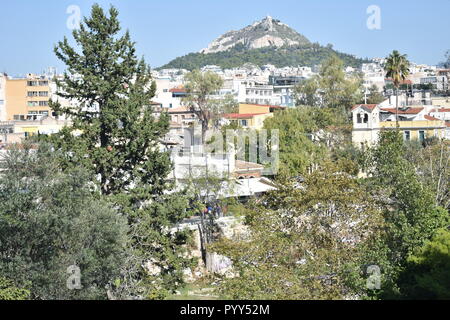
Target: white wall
{"x":193,"y":165}
{"x":163,"y":94}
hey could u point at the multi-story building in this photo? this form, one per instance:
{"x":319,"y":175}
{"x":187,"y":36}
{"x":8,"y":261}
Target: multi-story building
{"x":415,"y":123}
{"x":27,"y":98}
{"x":411,"y":98}
{"x":255,"y":92}
{"x":439,"y":82}
{"x":165,"y":94}
{"x":252,"y":115}
{"x":24,"y":107}
{"x":283,"y":88}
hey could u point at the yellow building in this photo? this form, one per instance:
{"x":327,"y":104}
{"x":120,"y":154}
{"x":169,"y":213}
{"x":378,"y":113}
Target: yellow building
{"x":249,"y":120}
{"x":245,"y":108}
{"x":27,"y":98}
{"x":252,"y":115}
{"x":415,"y":123}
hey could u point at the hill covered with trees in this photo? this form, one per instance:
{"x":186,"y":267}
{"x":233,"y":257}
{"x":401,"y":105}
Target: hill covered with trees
{"x":299,"y":55}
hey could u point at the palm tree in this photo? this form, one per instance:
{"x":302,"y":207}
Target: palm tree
{"x":397,"y":68}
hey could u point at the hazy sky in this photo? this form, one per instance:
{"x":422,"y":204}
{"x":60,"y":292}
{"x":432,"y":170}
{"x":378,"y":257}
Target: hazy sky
{"x":164,"y":30}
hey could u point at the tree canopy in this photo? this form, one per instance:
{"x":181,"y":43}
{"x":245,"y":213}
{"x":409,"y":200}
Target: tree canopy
{"x":116,"y":137}
{"x":330,"y":88}
{"x":51,"y":220}
{"x":305,"y":55}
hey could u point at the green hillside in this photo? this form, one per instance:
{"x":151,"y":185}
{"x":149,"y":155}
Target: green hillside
{"x":301,"y":55}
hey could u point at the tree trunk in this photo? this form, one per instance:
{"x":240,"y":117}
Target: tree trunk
{"x":396,"y":107}
{"x":205,"y":123}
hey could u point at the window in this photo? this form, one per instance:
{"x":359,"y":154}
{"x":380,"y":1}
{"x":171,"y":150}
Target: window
{"x":358,"y":118}
{"x":421,"y":136}
{"x":407,"y":135}
{"x":2,"y":102}
{"x":43,"y":103}
{"x":32,"y":93}
{"x":366,"y":118}
{"x":32,"y":83}
{"x":244,"y":123}
{"x":43,"y":93}
{"x":43,"y":83}
{"x":32,"y":103}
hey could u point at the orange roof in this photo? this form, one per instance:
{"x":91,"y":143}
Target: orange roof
{"x":401,"y":82}
{"x":400,"y":111}
{"x":241,"y":115}
{"x":430,"y":118}
{"x":178,"y":90}
{"x":442,"y":110}
{"x":369,"y":106}
{"x":242,"y":165}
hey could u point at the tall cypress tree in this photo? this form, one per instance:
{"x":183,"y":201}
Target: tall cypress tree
{"x":115,"y":135}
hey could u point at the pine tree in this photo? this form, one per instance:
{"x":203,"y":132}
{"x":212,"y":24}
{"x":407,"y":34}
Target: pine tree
{"x":116,"y":136}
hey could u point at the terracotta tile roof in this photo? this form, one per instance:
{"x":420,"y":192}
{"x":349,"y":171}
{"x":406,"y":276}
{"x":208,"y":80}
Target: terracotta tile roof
{"x":242,"y":115}
{"x":178,"y":90}
{"x":430,"y":118}
{"x":442,"y":110}
{"x":404,"y":111}
{"x":244,"y":165}
{"x":369,"y":106}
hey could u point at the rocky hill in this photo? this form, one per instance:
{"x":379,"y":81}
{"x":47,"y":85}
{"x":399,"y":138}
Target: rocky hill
{"x":268,"y":32}
{"x":268,"y":41}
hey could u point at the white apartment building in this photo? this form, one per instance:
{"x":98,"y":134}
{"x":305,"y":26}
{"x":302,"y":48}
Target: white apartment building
{"x":164,"y":94}
{"x":256,"y":93}
{"x":438,"y":82}
{"x":416,"y":98}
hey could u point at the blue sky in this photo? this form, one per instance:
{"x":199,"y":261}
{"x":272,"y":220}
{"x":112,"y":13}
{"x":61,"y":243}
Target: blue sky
{"x":165,"y":29}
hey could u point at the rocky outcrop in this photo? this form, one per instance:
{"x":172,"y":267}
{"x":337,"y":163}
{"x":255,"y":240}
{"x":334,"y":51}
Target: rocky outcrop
{"x":265,"y":33}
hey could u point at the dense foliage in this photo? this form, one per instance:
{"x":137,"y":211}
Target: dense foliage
{"x":306,"y":137}
{"x":115,"y":136}
{"x":427,"y":273}
{"x":51,"y":220}
{"x":411,"y":212}
{"x":8,"y":291}
{"x":306,"y":55}
{"x":306,"y":241}
{"x":331,"y":87}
